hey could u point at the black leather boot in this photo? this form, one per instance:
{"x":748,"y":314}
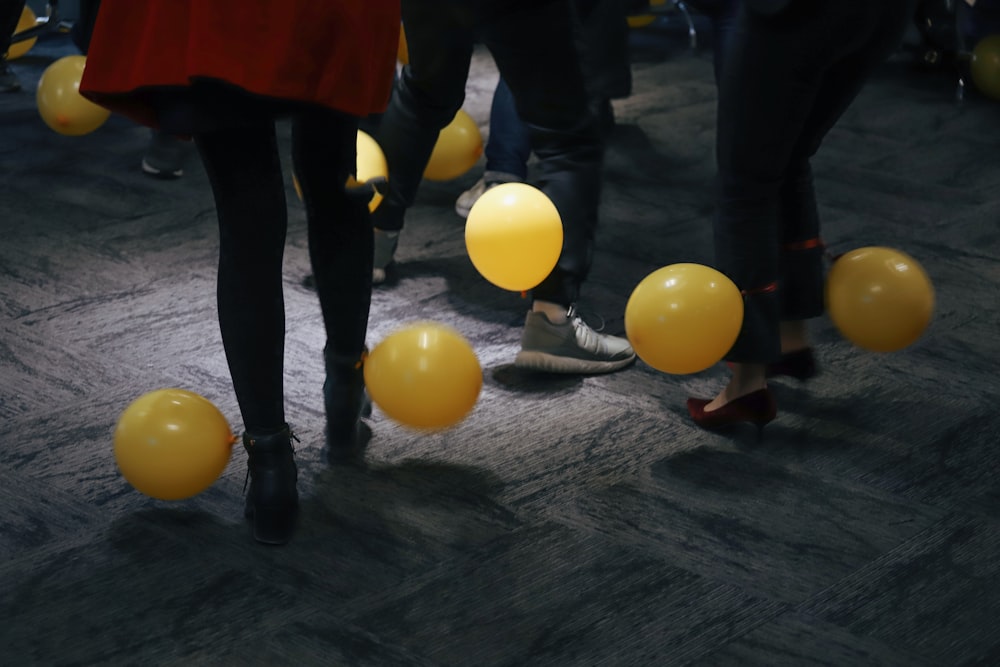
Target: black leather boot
{"x":273,"y":500}
{"x":346,"y":403}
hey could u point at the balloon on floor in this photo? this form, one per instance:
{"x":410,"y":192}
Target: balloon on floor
{"x":371,"y":164}
{"x":60,"y":103}
{"x":425,"y":376}
{"x":683,"y":318}
{"x":985,"y":66}
{"x":458,"y":148}
{"x":172,"y":444}
{"x":27,"y":20}
{"x":879,"y":298}
{"x":514,"y":236}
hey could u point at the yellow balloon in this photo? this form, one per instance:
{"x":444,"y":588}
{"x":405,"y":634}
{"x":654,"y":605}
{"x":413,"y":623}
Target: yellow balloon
{"x":371,"y":163}
{"x":985,"y":66}
{"x":457,"y":150}
{"x":27,"y":20}
{"x":879,"y":298}
{"x":514,"y":236}
{"x":425,"y":376}
{"x":683,"y":318}
{"x":172,"y":444}
{"x":643,"y":20}
{"x":60,"y":103}
{"x":402,"y":51}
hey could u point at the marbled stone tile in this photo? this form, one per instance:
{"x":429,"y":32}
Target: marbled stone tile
{"x":797,"y":640}
{"x":936,"y":594}
{"x":748,"y":522}
{"x":36,"y":514}
{"x":550,"y":594}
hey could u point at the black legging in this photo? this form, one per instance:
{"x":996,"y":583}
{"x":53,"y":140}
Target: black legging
{"x":785,"y":83}
{"x":244,"y":168}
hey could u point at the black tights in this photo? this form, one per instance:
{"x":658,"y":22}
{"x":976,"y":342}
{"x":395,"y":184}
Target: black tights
{"x":244,"y":168}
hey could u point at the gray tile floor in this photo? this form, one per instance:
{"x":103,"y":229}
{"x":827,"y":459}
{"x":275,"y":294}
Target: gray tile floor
{"x":567,"y":521}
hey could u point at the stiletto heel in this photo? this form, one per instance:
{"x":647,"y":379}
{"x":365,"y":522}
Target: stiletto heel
{"x":800,"y":364}
{"x":757,"y":408}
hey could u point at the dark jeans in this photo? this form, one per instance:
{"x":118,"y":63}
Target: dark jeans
{"x":10,"y":14}
{"x":602,"y":43}
{"x":787,"y":81}
{"x":244,"y":167}
{"x":532,"y":43}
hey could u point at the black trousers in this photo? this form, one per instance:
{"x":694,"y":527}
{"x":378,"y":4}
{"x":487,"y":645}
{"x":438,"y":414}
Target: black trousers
{"x":244,"y":168}
{"x":787,"y":80}
{"x":532,"y":43}
{"x":10,"y":14}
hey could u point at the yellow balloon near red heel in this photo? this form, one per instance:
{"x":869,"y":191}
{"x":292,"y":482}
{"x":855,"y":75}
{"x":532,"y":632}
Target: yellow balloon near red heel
{"x":425,"y":376}
{"x":514,"y":236}
{"x":60,"y":103}
{"x":880,"y":299}
{"x":172,"y":444}
{"x":683,"y":318}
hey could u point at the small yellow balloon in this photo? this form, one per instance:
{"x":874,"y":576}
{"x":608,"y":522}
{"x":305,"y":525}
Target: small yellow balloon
{"x":27,"y":20}
{"x":402,"y":51}
{"x":60,"y":103}
{"x":683,"y":318}
{"x":985,"y":66}
{"x":458,"y":148}
{"x":172,"y":444}
{"x":643,"y":20}
{"x":425,"y":376}
{"x":371,"y":163}
{"x":880,"y":299}
{"x":514,"y":236}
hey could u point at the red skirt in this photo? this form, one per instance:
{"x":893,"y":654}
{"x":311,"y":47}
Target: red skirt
{"x":339,"y":54}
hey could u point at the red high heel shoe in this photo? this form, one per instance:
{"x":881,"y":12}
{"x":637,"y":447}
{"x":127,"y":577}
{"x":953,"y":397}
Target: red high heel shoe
{"x":757,"y":407}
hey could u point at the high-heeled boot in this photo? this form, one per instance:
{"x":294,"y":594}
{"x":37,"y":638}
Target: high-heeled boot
{"x":273,"y":499}
{"x":346,"y":403}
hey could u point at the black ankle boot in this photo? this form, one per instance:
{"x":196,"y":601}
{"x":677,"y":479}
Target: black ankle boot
{"x":273,"y":500}
{"x":346,"y":403}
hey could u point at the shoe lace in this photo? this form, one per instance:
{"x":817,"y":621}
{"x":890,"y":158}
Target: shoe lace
{"x":575,"y":315}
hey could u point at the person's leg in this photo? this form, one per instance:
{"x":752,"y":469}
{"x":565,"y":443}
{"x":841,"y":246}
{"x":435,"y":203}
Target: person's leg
{"x":340,"y":251}
{"x":535,"y":51}
{"x":602,"y":43}
{"x":802,"y":277}
{"x":10,"y":14}
{"x":427,"y":95}
{"x":244,"y":170}
{"x":775,"y":80}
{"x":508,"y":148}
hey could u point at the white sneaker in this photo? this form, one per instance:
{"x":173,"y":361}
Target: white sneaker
{"x":385,"y":250}
{"x":467,"y":199}
{"x":571,"y":347}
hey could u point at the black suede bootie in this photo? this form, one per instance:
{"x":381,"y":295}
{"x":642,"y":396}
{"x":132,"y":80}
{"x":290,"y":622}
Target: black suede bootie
{"x":273,"y":499}
{"x":346,"y":403}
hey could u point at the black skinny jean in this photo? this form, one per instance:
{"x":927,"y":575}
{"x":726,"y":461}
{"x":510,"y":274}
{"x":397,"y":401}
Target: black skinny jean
{"x":244,"y":168}
{"x":785,"y":83}
{"x":533,"y":45}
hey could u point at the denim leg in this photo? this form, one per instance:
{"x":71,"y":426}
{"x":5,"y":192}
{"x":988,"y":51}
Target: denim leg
{"x":535,"y":51}
{"x":509,"y":144}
